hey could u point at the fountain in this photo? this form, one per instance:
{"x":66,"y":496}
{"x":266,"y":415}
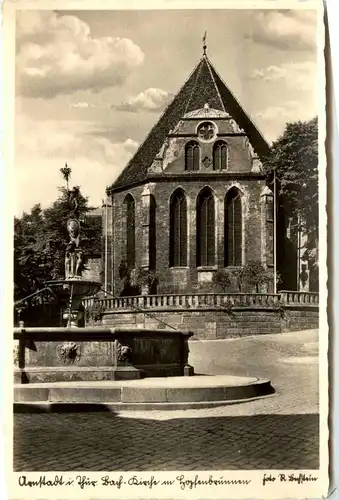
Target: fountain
{"x":129,"y":366}
{"x":73,"y":288}
{"x":74,"y":353}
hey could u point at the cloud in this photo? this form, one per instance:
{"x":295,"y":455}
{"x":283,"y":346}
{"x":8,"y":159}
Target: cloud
{"x":81,"y":105}
{"x":294,"y":74}
{"x":288,"y":111}
{"x":151,"y":99}
{"x":56,"y":54}
{"x":131,"y":145}
{"x":285,"y":29}
{"x":273,"y":119}
{"x":42,"y":148}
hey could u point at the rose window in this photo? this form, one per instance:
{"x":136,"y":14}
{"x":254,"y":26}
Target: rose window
{"x":206,"y":131}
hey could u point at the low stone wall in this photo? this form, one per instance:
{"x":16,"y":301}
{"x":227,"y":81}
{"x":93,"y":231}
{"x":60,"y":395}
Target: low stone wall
{"x":212,"y":315}
{"x":219,"y":324}
{"x":300,"y":318}
{"x":209,"y":316}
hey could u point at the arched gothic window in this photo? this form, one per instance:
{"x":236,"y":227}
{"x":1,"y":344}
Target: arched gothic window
{"x":192,"y":156}
{"x":152,"y":233}
{"x":130,"y":230}
{"x":233,"y":228}
{"x":205,"y":228}
{"x":178,"y":229}
{"x":220,"y":154}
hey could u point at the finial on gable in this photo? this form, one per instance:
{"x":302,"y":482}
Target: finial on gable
{"x":204,"y":46}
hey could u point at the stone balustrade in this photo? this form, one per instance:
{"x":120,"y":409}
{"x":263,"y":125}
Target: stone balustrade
{"x":206,"y":301}
{"x":208,"y":315}
{"x":302,"y":298}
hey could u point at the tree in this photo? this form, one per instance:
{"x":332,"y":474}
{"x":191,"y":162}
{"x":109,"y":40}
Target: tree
{"x":294,"y":157}
{"x":28,"y":265}
{"x":255,"y":275}
{"x":40,"y":240}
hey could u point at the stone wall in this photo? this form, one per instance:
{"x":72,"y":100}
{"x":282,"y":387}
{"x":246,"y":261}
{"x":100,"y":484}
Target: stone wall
{"x":166,"y":174}
{"x":208,"y":316}
{"x":220,"y":324}
{"x":298,"y":318}
{"x":180,"y":279}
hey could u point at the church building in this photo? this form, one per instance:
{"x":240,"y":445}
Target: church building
{"x":194,"y":197}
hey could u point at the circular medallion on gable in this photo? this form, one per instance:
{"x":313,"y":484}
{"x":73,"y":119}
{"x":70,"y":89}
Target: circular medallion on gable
{"x":206,"y":131}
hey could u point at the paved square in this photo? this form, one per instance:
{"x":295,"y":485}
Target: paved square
{"x":277,"y":432}
{"x":105,"y":441}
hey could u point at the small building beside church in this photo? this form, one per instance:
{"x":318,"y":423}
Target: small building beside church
{"x":193,"y":199}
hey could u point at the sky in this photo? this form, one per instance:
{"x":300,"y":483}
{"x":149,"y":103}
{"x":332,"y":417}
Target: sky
{"x":91,"y":84}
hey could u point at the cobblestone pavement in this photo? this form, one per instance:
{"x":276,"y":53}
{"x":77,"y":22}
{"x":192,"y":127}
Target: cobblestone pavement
{"x":105,"y":441}
{"x":279,"y":431}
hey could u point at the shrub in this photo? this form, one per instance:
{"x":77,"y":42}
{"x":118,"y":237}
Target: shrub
{"x":95,"y":312}
{"x":146,"y":278}
{"x":135,"y":282}
{"x":222,"y":280}
{"x":128,"y":282}
{"x":255,"y":275}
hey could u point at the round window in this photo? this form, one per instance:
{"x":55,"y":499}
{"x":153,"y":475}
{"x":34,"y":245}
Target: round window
{"x":206,"y":131}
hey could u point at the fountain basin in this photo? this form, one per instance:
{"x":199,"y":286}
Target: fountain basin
{"x":97,"y":354}
{"x":79,"y":286}
{"x":172,"y":393}
{"x":70,"y":293}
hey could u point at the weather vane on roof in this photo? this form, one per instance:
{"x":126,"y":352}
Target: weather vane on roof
{"x":204,"y":47}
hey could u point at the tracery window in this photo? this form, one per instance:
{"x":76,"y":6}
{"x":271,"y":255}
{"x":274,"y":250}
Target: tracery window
{"x":220,"y":156}
{"x":130,"y":230}
{"x":233,"y":228}
{"x":205,"y":228}
{"x":206,"y":131}
{"x":152,"y":233}
{"x":192,"y":156}
{"x":178,"y":229}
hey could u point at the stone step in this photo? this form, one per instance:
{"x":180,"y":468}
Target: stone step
{"x":199,"y":390}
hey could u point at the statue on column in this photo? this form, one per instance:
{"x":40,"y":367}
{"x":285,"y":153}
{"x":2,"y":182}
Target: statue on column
{"x":73,"y":228}
{"x":73,"y":195}
{"x":73,"y":254}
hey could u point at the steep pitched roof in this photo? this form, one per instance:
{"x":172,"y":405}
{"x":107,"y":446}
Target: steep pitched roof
{"x":204,"y":85}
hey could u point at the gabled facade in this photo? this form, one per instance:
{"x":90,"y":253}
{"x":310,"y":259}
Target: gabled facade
{"x":193,"y":199}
